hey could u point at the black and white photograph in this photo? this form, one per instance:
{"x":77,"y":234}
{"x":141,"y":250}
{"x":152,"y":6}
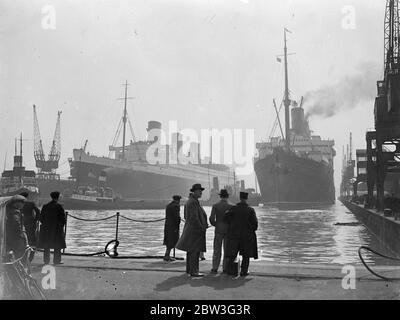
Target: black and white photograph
{"x":199,"y":155}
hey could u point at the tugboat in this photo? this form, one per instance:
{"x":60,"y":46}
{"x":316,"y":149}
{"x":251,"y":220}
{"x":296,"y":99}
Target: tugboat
{"x":18,"y":179}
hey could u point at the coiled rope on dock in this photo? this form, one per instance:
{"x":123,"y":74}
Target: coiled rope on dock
{"x":379,"y":254}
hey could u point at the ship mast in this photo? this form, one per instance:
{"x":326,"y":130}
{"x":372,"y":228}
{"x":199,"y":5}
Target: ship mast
{"x":286,"y":100}
{"x":124,"y":121}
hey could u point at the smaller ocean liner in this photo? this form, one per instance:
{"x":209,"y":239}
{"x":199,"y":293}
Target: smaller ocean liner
{"x":18,"y":179}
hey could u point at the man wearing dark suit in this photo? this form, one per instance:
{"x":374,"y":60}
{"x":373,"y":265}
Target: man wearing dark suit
{"x":30,"y":215}
{"x":51,"y":235}
{"x":241,"y":236}
{"x":193,"y":238}
{"x":217,"y":220}
{"x":171,"y":226}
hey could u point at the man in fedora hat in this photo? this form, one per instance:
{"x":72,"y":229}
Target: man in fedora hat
{"x":193,"y":238}
{"x":217,"y":220}
{"x":241,"y":237}
{"x":16,"y":238}
{"x":171,"y":226}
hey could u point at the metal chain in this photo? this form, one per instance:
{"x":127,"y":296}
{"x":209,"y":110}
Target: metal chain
{"x":82,"y":219}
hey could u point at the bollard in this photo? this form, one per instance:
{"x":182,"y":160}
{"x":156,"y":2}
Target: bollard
{"x":65,"y":229}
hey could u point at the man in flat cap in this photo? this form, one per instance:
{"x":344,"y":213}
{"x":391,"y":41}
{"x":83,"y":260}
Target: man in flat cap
{"x":51,"y":235}
{"x":31,"y":214}
{"x":217,"y":220}
{"x":171,"y":226}
{"x":241,"y":237}
{"x":193,"y":238}
{"x":16,"y":239}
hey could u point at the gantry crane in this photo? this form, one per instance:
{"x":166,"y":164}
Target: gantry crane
{"x":383,"y":144}
{"x":47,"y":168}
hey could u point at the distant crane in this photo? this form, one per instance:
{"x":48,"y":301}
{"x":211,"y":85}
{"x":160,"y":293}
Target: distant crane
{"x":47,"y":168}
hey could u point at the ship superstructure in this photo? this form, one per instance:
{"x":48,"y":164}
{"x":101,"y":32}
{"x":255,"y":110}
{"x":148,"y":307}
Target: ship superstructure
{"x":128,"y":171}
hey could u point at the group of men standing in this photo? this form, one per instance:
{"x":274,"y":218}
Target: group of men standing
{"x":27,"y":226}
{"x":235,"y":227}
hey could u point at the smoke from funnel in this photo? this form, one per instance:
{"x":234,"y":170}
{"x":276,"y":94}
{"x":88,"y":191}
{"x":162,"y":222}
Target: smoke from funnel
{"x":344,"y":95}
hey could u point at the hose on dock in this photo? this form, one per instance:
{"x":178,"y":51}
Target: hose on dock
{"x":379,"y":254}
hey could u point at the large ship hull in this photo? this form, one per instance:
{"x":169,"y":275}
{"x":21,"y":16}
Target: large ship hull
{"x":46,"y":186}
{"x":284,"y":177}
{"x":141,"y":181}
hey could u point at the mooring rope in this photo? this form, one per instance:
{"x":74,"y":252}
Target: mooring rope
{"x":379,"y":254}
{"x":100,"y":219}
{"x":144,"y":221}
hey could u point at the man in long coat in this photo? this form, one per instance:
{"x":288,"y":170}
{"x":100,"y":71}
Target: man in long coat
{"x":217,"y":220}
{"x":171,"y":226}
{"x":241,"y":236}
{"x":193,"y":238}
{"x":31,"y":215}
{"x":51,"y":234}
{"x":16,"y":239}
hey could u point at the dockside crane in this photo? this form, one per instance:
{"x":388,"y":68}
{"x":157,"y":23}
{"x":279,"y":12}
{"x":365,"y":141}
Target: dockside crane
{"x":383,"y":144}
{"x":47,"y":168}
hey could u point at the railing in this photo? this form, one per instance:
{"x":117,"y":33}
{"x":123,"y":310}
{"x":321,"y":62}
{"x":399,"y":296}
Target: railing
{"x":111,"y":247}
{"x":15,"y":275}
{"x":3,"y":202}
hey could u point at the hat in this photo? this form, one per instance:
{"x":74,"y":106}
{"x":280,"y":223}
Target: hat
{"x":223,"y":193}
{"x":197,"y":186}
{"x":17,"y":198}
{"x":243,"y":195}
{"x":176,"y":197}
{"x":55,"y":195}
{"x":24,"y":194}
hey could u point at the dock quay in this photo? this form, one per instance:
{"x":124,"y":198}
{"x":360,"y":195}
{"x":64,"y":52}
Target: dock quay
{"x":385,"y":228}
{"x":82,"y":278}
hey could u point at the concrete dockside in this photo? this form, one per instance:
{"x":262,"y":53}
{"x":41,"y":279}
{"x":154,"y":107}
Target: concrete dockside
{"x":106,"y":278}
{"x":386,"y":229}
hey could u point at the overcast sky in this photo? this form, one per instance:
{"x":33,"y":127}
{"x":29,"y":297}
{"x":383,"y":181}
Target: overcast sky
{"x":203,"y":63}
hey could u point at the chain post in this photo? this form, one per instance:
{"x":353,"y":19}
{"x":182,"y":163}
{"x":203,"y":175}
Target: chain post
{"x":117,"y":227}
{"x":65,"y":229}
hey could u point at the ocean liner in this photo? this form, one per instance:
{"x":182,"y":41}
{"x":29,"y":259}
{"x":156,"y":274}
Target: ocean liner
{"x":131,"y":176}
{"x":296,"y":168}
{"x":18,"y":179}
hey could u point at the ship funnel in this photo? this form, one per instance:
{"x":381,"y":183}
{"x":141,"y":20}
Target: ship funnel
{"x":215,"y":183}
{"x":153,"y":130}
{"x":299,"y":123}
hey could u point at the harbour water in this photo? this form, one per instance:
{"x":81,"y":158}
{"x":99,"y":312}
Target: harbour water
{"x":289,"y":236}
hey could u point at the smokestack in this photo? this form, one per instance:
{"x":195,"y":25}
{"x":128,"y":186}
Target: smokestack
{"x":345,"y":94}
